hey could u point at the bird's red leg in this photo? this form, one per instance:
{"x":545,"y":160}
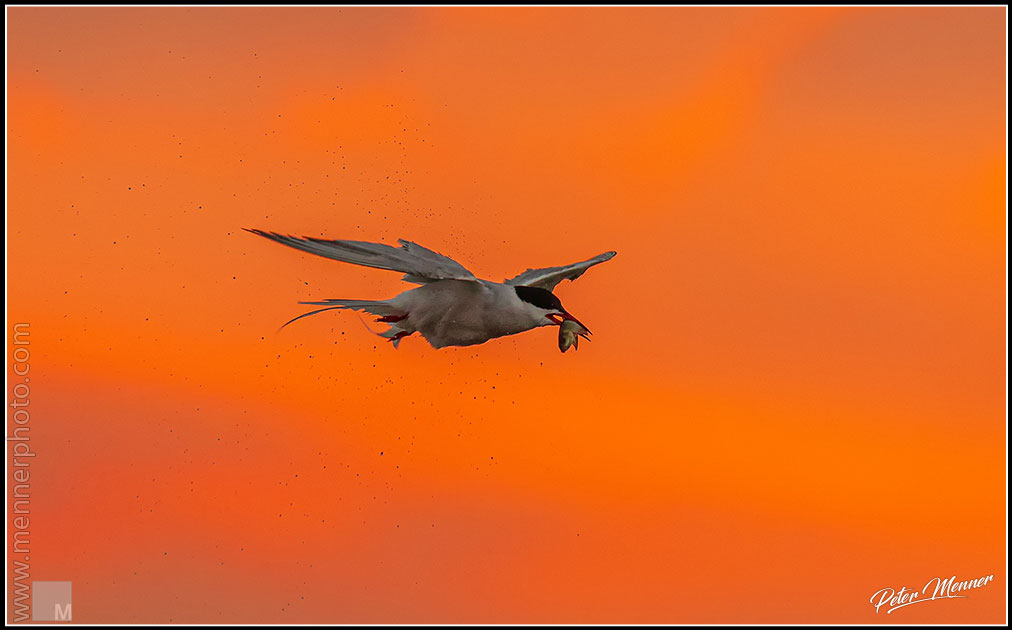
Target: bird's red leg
{"x":400,"y":335}
{"x":390,"y":318}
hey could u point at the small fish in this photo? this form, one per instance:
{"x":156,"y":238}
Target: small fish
{"x":570,"y":332}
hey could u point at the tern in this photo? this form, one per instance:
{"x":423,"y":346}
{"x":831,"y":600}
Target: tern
{"x":451,"y":307}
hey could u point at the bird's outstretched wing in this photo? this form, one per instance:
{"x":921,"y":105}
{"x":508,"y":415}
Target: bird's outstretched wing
{"x":419,"y":264}
{"x":548,"y":277}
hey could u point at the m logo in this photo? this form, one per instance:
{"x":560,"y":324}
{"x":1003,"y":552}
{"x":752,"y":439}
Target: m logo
{"x":51,"y":601}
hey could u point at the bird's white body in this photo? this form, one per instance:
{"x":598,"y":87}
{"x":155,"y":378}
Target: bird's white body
{"x":465,"y":313}
{"x":451,"y":307}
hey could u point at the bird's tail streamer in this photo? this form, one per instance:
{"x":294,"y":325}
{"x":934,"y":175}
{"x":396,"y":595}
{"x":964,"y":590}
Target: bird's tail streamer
{"x":393,"y":334}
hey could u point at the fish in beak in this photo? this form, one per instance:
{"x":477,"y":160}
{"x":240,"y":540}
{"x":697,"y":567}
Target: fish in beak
{"x":570,"y":331}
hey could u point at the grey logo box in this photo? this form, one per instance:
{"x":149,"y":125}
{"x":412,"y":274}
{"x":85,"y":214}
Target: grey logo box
{"x":51,"y":601}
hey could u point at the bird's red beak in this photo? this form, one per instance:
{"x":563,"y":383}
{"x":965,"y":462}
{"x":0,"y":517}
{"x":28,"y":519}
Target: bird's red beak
{"x":564,"y":316}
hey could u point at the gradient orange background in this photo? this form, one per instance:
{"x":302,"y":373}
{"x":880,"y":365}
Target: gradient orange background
{"x":794,"y":396}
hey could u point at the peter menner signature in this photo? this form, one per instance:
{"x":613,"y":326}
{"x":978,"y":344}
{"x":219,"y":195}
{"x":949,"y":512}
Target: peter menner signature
{"x":936,"y":588}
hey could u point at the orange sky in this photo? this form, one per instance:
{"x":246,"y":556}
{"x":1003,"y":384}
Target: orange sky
{"x":794,"y":396}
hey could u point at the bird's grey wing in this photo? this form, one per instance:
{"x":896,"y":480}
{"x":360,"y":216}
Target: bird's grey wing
{"x":548,"y":277}
{"x":419,"y":264}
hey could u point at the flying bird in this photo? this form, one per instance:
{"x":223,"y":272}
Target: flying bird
{"x":450,"y":307}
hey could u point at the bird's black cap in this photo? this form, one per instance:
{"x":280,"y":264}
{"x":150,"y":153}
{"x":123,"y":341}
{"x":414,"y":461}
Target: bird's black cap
{"x":542,"y":298}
